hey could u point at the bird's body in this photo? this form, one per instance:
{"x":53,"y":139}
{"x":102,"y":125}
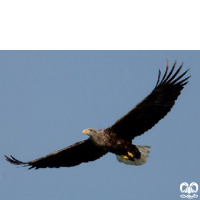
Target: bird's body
{"x":110,"y":142}
{"x":117,"y":139}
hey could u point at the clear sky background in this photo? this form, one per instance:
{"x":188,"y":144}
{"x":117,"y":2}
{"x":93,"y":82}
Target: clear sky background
{"x":49,"y":97}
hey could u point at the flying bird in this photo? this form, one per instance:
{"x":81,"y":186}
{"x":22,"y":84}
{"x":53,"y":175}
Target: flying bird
{"x":117,"y":139}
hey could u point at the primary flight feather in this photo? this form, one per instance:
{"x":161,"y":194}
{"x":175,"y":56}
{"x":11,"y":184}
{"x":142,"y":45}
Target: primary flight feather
{"x":118,"y":138}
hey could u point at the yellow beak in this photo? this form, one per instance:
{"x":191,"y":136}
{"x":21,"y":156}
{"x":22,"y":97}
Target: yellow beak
{"x":85,"y":131}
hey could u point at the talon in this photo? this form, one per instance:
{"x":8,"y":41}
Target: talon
{"x":125,"y":157}
{"x":130,"y":154}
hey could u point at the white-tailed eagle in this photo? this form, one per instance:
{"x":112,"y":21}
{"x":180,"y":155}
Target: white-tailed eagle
{"x":118,"y":138}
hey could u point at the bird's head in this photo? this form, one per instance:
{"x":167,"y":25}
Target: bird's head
{"x":90,"y":131}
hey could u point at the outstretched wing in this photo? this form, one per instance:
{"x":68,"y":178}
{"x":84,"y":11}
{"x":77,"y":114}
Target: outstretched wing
{"x":154,"y":107}
{"x":75,"y":154}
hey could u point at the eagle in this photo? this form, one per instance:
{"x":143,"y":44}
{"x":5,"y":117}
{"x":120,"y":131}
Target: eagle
{"x":117,"y":139}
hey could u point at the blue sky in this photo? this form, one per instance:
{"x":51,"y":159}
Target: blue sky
{"x":49,"y":97}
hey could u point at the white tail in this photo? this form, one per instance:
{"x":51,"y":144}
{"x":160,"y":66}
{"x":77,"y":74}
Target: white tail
{"x":144,"y":150}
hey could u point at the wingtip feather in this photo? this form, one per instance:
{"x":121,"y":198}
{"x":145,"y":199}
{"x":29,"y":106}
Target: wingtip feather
{"x":14,"y":161}
{"x":159,"y":74}
{"x":171,"y":78}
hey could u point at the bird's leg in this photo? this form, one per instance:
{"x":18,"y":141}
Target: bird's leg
{"x":130,"y":154}
{"x":125,"y":157}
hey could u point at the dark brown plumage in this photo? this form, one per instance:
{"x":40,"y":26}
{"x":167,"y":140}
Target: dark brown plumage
{"x":77,"y":153}
{"x":118,"y":138}
{"x":154,"y":107}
